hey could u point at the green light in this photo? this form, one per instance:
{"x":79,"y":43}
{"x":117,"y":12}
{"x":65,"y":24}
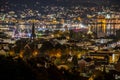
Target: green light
{"x":3,"y":18}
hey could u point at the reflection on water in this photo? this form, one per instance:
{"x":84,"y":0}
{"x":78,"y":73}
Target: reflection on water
{"x":16,"y":30}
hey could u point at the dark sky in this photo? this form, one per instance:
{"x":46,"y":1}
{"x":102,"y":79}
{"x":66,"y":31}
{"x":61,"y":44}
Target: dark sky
{"x":55,"y":2}
{"x":69,"y":1}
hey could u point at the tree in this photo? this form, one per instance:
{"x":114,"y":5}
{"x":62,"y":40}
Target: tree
{"x":118,"y":34}
{"x":46,"y":46}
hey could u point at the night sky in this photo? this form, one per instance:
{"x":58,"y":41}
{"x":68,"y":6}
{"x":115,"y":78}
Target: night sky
{"x":57,"y":1}
{"x":15,"y":4}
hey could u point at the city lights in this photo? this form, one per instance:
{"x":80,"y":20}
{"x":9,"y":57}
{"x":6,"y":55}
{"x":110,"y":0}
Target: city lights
{"x":60,"y":39}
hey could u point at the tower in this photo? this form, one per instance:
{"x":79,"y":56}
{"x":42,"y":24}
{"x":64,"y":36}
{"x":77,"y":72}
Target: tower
{"x":33,"y":35}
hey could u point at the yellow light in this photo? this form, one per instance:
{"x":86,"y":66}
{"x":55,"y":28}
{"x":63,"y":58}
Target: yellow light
{"x":79,"y":55}
{"x":35,"y":53}
{"x":58,"y":55}
{"x":21,"y":53}
{"x":11,"y":53}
